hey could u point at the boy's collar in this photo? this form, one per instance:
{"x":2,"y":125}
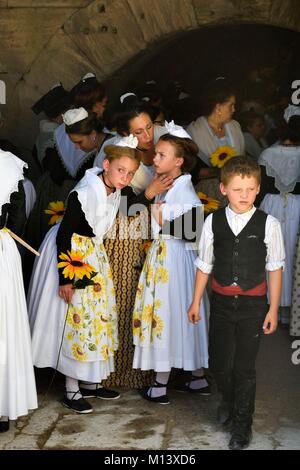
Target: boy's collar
{"x":249,"y":212}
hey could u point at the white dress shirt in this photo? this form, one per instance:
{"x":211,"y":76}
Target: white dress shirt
{"x":273,"y":240}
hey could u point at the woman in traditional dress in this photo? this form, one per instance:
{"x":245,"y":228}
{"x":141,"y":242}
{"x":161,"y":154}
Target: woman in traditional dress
{"x":74,"y":327}
{"x":163,"y":336}
{"x":281,"y":186}
{"x":216,"y":134}
{"x":55,"y":102}
{"x":17,"y":383}
{"x":64,"y":163}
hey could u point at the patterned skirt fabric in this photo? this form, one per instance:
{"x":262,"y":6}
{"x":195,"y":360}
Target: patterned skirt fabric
{"x":126,"y":259}
{"x":295,"y":311}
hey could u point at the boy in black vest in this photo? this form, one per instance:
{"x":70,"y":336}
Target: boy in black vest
{"x":238,"y":245}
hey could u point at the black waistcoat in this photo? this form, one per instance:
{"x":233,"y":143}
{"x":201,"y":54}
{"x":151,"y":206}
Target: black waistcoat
{"x":239,"y":259}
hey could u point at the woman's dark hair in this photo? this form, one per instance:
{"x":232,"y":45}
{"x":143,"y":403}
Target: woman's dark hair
{"x":87,"y":94}
{"x":185,"y":148}
{"x":131,"y":108}
{"x":155,"y":112}
{"x":292,"y":130}
{"x":217,"y":92}
{"x":248,"y":118}
{"x":152,"y":92}
{"x":86,"y":126}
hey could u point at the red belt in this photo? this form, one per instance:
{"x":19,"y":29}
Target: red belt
{"x":261,"y":289}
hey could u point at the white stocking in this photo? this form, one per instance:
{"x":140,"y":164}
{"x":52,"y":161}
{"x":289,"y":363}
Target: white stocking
{"x":71,"y":388}
{"x":162,"y":378}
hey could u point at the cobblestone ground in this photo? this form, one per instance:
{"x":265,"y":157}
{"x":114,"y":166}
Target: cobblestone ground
{"x":188,"y":423}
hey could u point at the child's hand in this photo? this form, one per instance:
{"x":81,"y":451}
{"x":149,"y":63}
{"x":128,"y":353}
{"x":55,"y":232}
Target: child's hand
{"x":270,"y":323}
{"x":193,"y":313}
{"x":66,"y":292}
{"x":160,"y":184}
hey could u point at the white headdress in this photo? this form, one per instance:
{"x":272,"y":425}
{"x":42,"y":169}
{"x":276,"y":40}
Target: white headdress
{"x":74,"y":115}
{"x":88,"y":75}
{"x":130,"y":141}
{"x":123,"y":97}
{"x":178,"y":131}
{"x":290,"y":111}
{"x":183,"y":95}
{"x":56,"y":85}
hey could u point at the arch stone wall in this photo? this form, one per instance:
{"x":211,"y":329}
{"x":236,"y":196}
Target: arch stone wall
{"x":43,"y":42}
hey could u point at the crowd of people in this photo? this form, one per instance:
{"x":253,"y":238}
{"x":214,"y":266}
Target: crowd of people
{"x":172,"y":246}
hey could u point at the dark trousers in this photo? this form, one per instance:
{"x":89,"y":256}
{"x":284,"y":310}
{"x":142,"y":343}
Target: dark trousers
{"x":234,"y":336}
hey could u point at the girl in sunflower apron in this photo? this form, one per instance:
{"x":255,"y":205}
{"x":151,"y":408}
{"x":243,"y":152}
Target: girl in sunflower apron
{"x":72,"y":310}
{"x":163,"y":336}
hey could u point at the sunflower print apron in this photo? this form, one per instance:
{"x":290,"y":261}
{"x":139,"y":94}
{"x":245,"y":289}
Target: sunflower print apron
{"x":91,"y":329}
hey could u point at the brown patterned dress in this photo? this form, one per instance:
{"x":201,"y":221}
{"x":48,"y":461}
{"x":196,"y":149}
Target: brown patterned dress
{"x":126,"y":260}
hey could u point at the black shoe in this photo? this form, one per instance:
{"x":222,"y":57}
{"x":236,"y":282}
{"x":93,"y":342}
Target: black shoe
{"x":101,"y":392}
{"x":4,"y":426}
{"x":223,"y":412}
{"x":162,"y":400}
{"x":240,"y":441}
{"x":80,"y":406}
{"x":228,"y":425}
{"x":185,"y":387}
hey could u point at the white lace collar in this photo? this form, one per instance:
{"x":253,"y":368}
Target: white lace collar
{"x":11,"y":172}
{"x":71,"y":157}
{"x":283,"y":164}
{"x":178,"y":200}
{"x":99,"y":209}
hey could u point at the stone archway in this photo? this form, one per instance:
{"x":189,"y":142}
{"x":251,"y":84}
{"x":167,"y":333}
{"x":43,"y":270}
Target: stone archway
{"x":46,"y":41}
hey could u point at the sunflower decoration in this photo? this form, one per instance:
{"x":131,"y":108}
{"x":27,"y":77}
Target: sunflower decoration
{"x":145,"y":246}
{"x":222,"y":155}
{"x":209,"y":203}
{"x":157,"y":327}
{"x":74,"y":266}
{"x":56,"y":209}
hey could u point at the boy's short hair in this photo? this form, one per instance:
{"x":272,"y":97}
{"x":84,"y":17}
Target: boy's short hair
{"x":240,"y":165}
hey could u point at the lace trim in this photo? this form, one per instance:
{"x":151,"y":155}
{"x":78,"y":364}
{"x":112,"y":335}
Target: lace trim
{"x":15,"y":188}
{"x":274,"y":174}
{"x":88,"y":155}
{"x":184,"y":210}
